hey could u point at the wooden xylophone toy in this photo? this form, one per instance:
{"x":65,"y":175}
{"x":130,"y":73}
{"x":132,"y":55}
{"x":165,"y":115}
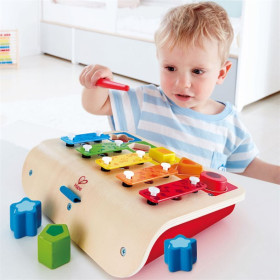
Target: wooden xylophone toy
{"x":124,"y":196}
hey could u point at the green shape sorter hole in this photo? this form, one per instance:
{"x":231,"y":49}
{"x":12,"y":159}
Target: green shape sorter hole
{"x":54,"y":245}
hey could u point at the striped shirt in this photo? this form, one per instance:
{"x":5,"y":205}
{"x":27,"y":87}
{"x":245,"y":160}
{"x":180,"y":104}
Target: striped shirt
{"x":215,"y":141}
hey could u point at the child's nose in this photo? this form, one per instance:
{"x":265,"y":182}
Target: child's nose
{"x":185,"y":81}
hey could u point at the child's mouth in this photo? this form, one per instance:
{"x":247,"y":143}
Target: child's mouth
{"x":182,"y":97}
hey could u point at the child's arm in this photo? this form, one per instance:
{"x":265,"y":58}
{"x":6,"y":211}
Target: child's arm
{"x":95,"y":100}
{"x":261,"y":170}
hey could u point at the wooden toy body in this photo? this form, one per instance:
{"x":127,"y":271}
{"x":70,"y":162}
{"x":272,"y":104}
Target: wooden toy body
{"x":112,"y":224}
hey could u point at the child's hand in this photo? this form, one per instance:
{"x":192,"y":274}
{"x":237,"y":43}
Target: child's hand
{"x":92,"y":73}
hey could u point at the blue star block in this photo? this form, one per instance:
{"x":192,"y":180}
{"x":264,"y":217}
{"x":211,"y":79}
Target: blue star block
{"x":25,"y":217}
{"x":180,"y":253}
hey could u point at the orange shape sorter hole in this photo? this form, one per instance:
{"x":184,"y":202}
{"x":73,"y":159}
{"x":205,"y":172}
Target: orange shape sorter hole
{"x":187,"y":168}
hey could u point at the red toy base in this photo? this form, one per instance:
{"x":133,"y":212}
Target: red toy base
{"x":188,"y":229}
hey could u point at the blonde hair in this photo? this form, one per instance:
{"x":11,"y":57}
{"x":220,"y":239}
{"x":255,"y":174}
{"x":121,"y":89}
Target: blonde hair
{"x":192,"y":24}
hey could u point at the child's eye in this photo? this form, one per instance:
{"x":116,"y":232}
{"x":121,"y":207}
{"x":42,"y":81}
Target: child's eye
{"x":198,"y":71}
{"x":170,"y":68}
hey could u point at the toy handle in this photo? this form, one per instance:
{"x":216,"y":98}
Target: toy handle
{"x":106,"y":83}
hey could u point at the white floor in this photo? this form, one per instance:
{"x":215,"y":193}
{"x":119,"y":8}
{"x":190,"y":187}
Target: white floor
{"x":45,"y":92}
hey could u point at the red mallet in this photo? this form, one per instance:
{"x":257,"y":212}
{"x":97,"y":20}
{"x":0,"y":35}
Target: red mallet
{"x":106,"y":83}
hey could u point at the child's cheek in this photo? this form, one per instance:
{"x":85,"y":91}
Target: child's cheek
{"x":166,"y":86}
{"x":168,"y":81}
{"x":163,"y":81}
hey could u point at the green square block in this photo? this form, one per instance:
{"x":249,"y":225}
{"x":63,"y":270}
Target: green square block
{"x":54,"y":245}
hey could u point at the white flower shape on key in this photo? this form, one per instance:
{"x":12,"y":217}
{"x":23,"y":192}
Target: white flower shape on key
{"x":128,"y":174}
{"x":194,"y":180}
{"x":98,"y":132}
{"x":140,"y":153}
{"x":87,"y":147}
{"x":165,"y":166}
{"x":154,"y":191}
{"x":71,"y":136}
{"x":118,"y":143}
{"x":107,"y":160}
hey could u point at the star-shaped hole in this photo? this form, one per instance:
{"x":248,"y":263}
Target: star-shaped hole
{"x":180,"y":242}
{"x":25,"y":205}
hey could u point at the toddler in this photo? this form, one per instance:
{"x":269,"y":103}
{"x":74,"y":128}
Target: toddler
{"x":193,"y":43}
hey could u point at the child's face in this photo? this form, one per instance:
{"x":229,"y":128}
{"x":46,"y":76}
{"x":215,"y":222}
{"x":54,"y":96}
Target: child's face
{"x":188,"y":75}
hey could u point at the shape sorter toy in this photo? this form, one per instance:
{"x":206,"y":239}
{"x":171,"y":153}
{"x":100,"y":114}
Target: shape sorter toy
{"x":25,"y":217}
{"x":115,"y":225}
{"x":54,"y":246}
{"x":180,"y":253}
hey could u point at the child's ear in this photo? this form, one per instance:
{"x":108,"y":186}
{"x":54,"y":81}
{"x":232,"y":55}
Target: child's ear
{"x":223,"y":72}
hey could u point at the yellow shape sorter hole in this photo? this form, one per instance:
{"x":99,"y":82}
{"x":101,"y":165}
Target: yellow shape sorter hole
{"x":161,"y":154}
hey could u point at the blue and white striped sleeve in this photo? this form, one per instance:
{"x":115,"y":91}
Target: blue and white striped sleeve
{"x":242,"y":156}
{"x":126,"y":110}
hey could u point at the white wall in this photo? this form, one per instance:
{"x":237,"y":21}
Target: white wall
{"x":23,"y":15}
{"x":101,"y":18}
{"x":259,"y":57}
